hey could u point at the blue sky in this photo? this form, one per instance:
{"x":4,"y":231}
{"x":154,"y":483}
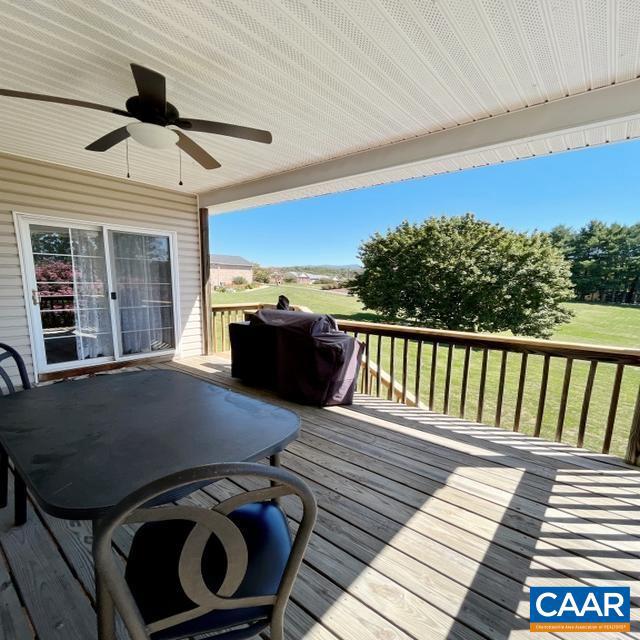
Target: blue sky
{"x":568,"y":188}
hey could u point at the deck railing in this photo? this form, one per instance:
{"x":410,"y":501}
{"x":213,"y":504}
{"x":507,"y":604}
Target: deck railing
{"x":583,"y":395}
{"x":224,"y":314}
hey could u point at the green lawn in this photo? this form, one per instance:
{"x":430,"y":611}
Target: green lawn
{"x":596,"y":324}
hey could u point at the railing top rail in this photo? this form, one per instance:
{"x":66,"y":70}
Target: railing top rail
{"x":247,"y":306}
{"x":579,"y":351}
{"x":237,"y":306}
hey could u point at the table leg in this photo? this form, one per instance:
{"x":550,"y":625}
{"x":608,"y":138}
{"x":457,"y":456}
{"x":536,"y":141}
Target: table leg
{"x":105,"y":610}
{"x":20,"y":497}
{"x":274,"y":461}
{"x":4,"y":477}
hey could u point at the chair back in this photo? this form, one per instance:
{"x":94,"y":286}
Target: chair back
{"x":135,"y":509}
{"x":8,"y":353}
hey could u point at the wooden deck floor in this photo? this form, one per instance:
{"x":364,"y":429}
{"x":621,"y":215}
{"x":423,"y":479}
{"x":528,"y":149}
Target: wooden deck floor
{"x":430,"y":527}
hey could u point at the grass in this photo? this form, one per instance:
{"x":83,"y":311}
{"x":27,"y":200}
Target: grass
{"x":596,"y":324}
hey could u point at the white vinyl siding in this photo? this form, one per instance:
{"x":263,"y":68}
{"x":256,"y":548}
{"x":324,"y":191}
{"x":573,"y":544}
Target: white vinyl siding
{"x":30,"y":186}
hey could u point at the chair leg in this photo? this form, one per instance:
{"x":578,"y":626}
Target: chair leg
{"x":105,"y":611}
{"x":4,"y":477}
{"x":276,"y":629}
{"x":20,"y":497}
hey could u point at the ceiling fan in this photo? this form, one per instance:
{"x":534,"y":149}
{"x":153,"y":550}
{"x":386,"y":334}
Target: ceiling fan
{"x":155,"y":115}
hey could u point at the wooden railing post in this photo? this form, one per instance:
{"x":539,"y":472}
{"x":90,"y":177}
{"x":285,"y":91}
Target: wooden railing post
{"x":432,"y":376}
{"x":465,"y":380}
{"x":520,"y":397}
{"x":483,"y":382}
{"x":543,"y":396}
{"x":499,"y":399}
{"x":563,"y":399}
{"x":405,"y":353}
{"x":613,"y":408}
{"x":633,"y":447}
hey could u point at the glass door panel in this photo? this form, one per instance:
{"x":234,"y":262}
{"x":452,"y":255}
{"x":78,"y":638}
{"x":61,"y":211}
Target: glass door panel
{"x":142,"y":281}
{"x":71,"y":293}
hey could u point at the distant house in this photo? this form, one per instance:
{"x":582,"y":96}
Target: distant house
{"x":307,"y":278}
{"x":225,"y":268}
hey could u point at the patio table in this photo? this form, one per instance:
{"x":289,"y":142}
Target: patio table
{"x":82,"y":446}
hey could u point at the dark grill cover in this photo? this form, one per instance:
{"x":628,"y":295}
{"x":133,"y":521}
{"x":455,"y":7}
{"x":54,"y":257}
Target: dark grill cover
{"x":301,"y":356}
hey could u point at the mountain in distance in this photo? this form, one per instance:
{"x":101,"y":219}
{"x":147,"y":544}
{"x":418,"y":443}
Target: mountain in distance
{"x":322,"y":269}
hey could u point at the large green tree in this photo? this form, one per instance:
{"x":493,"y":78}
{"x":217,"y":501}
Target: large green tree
{"x":465,"y":274}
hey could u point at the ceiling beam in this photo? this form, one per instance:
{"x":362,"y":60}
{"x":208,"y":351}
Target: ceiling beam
{"x":600,"y":106}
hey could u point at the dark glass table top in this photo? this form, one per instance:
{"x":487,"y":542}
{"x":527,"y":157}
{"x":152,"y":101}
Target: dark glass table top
{"x":82,"y":446}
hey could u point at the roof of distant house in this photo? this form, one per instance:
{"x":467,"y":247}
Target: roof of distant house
{"x":229,"y":261}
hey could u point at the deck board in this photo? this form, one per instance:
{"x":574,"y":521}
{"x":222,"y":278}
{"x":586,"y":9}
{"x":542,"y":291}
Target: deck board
{"x":429,"y":527}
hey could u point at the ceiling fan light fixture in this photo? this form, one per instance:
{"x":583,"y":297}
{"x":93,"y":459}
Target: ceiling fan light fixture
{"x":152,"y":135}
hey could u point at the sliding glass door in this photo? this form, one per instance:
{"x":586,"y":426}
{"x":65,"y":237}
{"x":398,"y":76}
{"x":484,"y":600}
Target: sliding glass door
{"x":142,"y":282}
{"x":71,"y":294}
{"x":96,"y":294}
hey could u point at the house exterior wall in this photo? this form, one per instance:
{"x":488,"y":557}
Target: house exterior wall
{"x":33,"y":187}
{"x":224,"y":274}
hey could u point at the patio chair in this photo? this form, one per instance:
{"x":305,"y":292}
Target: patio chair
{"x":6,"y":388}
{"x":191,"y":570}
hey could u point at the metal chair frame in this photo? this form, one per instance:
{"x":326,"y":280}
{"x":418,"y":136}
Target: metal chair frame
{"x":112,"y":590}
{"x":19,"y":487}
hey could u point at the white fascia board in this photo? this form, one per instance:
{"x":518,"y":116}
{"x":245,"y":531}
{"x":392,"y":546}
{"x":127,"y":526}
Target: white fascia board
{"x":600,"y":106}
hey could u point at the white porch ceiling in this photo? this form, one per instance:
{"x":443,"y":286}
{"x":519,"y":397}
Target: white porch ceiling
{"x":329,"y":78}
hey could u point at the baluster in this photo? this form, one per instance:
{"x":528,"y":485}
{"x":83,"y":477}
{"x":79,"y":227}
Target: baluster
{"x":447,"y":380}
{"x":586,"y":399}
{"x":633,"y":446}
{"x":392,"y":366}
{"x":378,"y":364}
{"x":432,"y":376}
{"x":613,"y":408}
{"x":563,"y":399}
{"x":214,"y":332}
{"x":405,"y":353}
{"x":483,"y":382}
{"x":359,"y":378}
{"x":503,"y":372}
{"x":418,"y":371}
{"x":520,"y":396}
{"x":465,"y":380}
{"x":543,"y":396}
{"x":367,"y":386}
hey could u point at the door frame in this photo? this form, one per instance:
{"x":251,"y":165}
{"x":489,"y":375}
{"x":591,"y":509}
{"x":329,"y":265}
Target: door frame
{"x":22,"y":220}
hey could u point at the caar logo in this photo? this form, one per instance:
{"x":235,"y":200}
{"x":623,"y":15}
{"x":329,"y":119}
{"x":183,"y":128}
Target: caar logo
{"x":580,"y":609}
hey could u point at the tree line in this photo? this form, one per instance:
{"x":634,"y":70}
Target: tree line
{"x":604,"y":260}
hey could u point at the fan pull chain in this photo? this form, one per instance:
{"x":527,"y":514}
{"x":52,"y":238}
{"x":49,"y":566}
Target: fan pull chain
{"x":127,"y":156}
{"x":180,"y":161}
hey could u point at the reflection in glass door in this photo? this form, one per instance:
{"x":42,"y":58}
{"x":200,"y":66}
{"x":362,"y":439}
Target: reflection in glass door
{"x":70,"y":279}
{"x":141,"y":271}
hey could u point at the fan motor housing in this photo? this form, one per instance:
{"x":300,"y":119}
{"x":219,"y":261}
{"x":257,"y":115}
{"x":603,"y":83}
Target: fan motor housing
{"x":146,"y":112}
